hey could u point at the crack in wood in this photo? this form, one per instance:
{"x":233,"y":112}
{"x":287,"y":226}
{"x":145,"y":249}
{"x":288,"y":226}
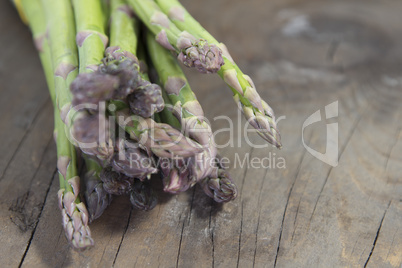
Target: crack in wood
{"x":181,"y":239}
{"x":28,"y":222}
{"x":37,"y":222}
{"x":27,"y":131}
{"x":191,"y":206}
{"x":348,"y":139}
{"x":241,"y":201}
{"x":376,"y":236}
{"x":259,"y":214}
{"x":182,"y":229}
{"x":286,"y":207}
{"x":122,"y":237}
{"x":399,"y":132}
{"x":241,"y":230}
{"x":297,"y":213}
{"x":211,"y":231}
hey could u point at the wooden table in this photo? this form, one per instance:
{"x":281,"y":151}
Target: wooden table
{"x":302,"y":55}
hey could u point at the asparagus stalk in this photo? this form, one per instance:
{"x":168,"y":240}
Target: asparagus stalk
{"x":192,"y":52}
{"x":124,"y":27}
{"x":186,"y":107}
{"x":74,"y":213}
{"x":106,"y":12}
{"x":91,"y":39}
{"x":61,"y":32}
{"x":257,"y":112}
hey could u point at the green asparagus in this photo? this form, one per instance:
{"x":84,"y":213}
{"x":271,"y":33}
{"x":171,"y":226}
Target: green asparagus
{"x":74,"y":213}
{"x":185,"y":106}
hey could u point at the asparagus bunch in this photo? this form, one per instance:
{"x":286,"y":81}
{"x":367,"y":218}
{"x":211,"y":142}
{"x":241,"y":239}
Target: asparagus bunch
{"x":126,"y":127}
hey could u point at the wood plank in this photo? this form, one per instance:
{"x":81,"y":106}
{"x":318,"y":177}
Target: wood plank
{"x":24,"y":91}
{"x":24,"y":189}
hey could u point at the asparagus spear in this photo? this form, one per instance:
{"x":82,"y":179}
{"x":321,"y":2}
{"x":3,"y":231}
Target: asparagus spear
{"x":186,"y":107}
{"x":192,"y":52}
{"x":60,"y":20}
{"x":74,"y":213}
{"x":176,"y":172}
{"x":257,"y":112}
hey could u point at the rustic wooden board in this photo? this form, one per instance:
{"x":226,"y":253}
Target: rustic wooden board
{"x":302,"y":55}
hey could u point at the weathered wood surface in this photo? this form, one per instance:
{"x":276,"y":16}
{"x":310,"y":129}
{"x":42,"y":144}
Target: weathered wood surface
{"x":302,"y":55}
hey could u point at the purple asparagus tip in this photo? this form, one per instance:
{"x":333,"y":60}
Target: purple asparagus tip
{"x":96,"y":197}
{"x":222,"y":188}
{"x":146,"y":100}
{"x":92,"y":132}
{"x":92,"y":88}
{"x":142,"y":196}
{"x":176,"y":175}
{"x":115,"y":182}
{"x":204,"y":57}
{"x":132,"y":161}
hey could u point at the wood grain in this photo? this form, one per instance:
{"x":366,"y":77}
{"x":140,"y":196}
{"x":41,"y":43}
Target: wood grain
{"x":302,"y":55}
